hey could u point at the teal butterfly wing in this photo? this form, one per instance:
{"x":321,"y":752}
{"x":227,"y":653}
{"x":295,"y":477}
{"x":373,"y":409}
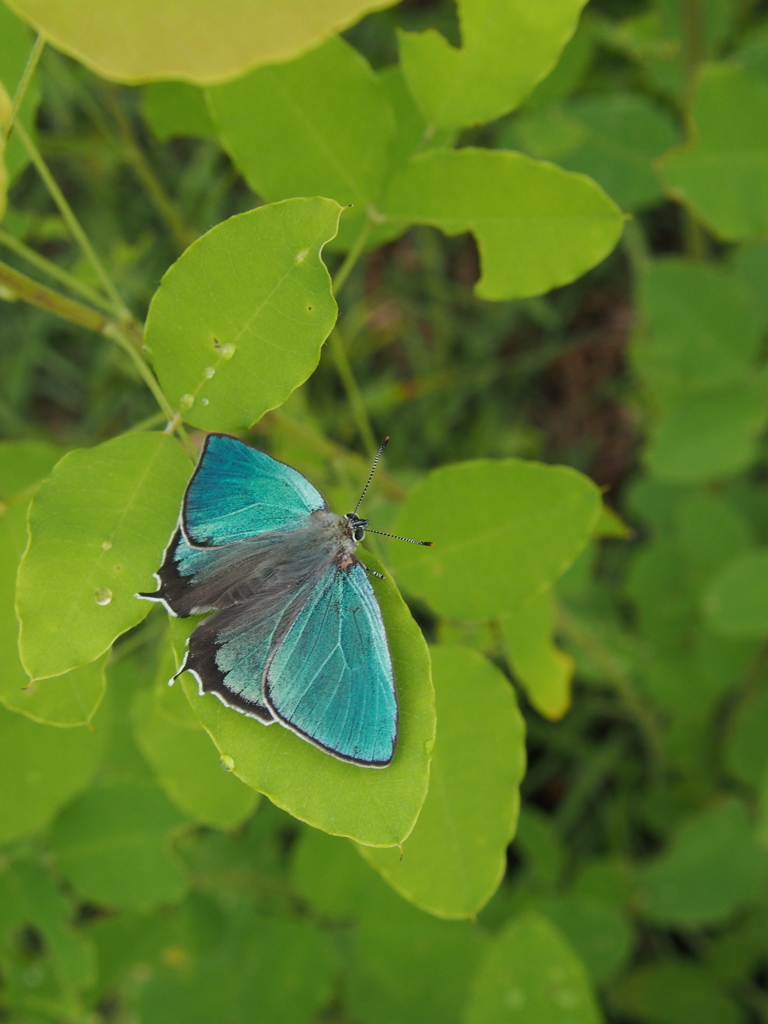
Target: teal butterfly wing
{"x":293,"y":637}
{"x":238,"y":492}
{"x":331,"y":678}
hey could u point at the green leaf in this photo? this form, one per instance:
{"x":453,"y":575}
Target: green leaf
{"x":703,"y":328}
{"x":750,"y":266}
{"x":329,"y":875}
{"x":455,"y":858}
{"x":70,"y":699}
{"x":66,"y":700}
{"x":530,"y":519}
{"x":597,"y":929}
{"x":175,"y":109}
{"x":507,"y":49}
{"x":29,"y":897}
{"x":746,"y":752}
{"x":141,"y":40}
{"x":543,"y":671}
{"x":249,"y":967}
{"x":709,"y":435}
{"x":112,"y":844}
{"x":320,"y":125}
{"x":376,"y":807}
{"x":530,"y":974}
{"x":184,"y":760}
{"x":239,"y":319}
{"x":407,"y":966}
{"x":16,"y":43}
{"x":722,"y":175}
{"x":711,"y":869}
{"x":42,"y":768}
{"x":737,"y":601}
{"x":674,"y":992}
{"x":537,"y":227}
{"x":613,"y":138}
{"x":98,"y":527}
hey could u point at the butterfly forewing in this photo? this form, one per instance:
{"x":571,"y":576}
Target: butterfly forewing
{"x":237,"y":492}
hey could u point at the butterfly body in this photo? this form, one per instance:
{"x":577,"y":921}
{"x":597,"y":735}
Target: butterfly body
{"x":295,"y":634}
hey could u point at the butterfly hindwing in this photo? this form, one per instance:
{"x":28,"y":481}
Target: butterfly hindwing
{"x":237,"y":493}
{"x":330,"y":678}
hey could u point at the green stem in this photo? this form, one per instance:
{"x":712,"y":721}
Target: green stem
{"x":354,"y":395}
{"x":73,"y":224}
{"x":23,"y":287}
{"x":21,"y":88}
{"x":636,"y":247}
{"x":126,"y":336}
{"x":692,"y":56}
{"x":352,"y":257}
{"x":637,"y":710}
{"x":52,"y":269}
{"x":136,"y":158}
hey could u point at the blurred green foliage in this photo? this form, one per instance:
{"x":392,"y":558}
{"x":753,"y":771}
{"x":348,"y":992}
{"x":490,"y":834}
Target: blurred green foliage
{"x":526,"y":240}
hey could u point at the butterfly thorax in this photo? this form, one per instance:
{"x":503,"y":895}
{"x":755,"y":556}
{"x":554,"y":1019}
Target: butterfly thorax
{"x":347,"y":531}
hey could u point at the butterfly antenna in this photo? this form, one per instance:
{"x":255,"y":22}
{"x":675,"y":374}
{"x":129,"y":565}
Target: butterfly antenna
{"x":379,"y":453}
{"x":396,"y":536}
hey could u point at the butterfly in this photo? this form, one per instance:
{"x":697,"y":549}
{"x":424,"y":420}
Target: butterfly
{"x":296,"y":634}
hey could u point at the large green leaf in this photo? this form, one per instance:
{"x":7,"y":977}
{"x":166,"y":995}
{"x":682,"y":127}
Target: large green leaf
{"x":707,"y":435}
{"x":112,"y":844}
{"x":239,"y":968}
{"x":722,"y":174}
{"x":175,"y":109}
{"x":455,"y":858}
{"x":614,"y":138}
{"x":736,"y":603}
{"x":508,"y":46}
{"x":531,"y":975}
{"x":711,"y":869}
{"x":408,"y":966}
{"x":537,"y":226}
{"x":141,"y":40}
{"x":72,"y":698}
{"x":502,"y":532}
{"x":30,"y":898}
{"x":185,"y":761}
{"x":320,"y":125}
{"x":98,"y":527}
{"x":675,"y":991}
{"x":239,"y":319}
{"x":376,"y":807}
{"x":703,"y":326}
{"x":42,"y":767}
{"x":544,"y":672}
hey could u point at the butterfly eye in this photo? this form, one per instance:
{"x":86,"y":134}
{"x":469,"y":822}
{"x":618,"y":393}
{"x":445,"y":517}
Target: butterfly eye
{"x":359,"y":533}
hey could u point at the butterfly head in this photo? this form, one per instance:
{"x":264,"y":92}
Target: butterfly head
{"x":355,"y":526}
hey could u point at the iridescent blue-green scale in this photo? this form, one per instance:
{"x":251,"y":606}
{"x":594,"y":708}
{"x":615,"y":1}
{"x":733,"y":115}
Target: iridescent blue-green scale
{"x":331,"y":677}
{"x":238,"y":492}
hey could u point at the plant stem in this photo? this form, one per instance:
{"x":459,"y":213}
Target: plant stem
{"x":136,"y":158}
{"x":635,"y":246}
{"x":354,"y":395}
{"x":46,"y":266}
{"x":118,"y":307}
{"x":351,"y":258}
{"x":21,"y":88}
{"x":23,"y":287}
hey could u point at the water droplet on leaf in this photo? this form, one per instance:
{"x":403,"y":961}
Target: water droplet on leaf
{"x":103,"y":595}
{"x":227,"y":351}
{"x":227,"y":762}
{"x":186,"y":401}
